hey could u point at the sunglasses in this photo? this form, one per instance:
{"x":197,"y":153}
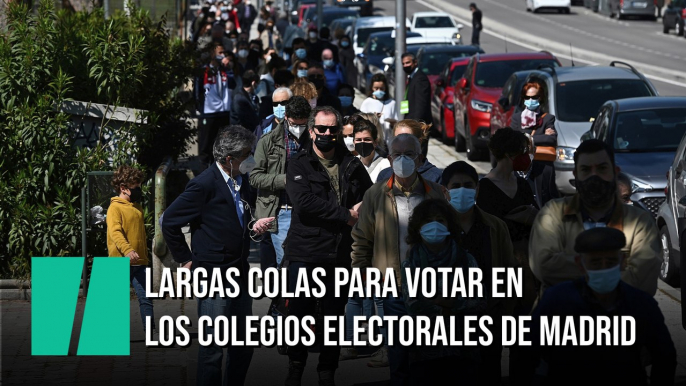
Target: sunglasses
{"x":321,"y":129}
{"x":282,"y":103}
{"x":535,"y":97}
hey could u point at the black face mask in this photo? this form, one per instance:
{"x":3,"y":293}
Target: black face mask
{"x":136,"y":194}
{"x":595,"y":192}
{"x":317,"y":82}
{"x":408,"y":70}
{"x":364,"y":149}
{"x":325,"y":143}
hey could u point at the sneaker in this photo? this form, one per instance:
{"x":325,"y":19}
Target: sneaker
{"x":326,"y":378}
{"x":348,"y":353}
{"x":379,"y":358}
{"x":295,"y":373}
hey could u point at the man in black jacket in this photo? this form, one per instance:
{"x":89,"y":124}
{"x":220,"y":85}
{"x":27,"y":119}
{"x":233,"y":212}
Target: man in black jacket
{"x":246,"y":105}
{"x":476,"y":24}
{"x":315,"y":75}
{"x":418,"y":90}
{"x":325,"y":184}
{"x":214,"y":204}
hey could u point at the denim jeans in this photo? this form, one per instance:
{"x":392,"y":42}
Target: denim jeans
{"x":138,"y":283}
{"x":283,"y":219}
{"x":237,"y":358}
{"x":362,"y":306}
{"x":398,"y":355}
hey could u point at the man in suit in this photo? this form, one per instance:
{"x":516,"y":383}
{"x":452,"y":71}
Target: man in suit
{"x":214,"y":204}
{"x":418,"y":90}
{"x":246,"y":13}
{"x":476,"y":24}
{"x":246,"y":104}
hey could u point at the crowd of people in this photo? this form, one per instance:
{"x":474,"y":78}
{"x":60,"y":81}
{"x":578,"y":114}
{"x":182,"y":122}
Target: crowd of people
{"x":291,"y":163}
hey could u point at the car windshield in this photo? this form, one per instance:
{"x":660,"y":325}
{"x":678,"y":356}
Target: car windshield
{"x":363,"y":34}
{"x":434,"y":22}
{"x":381,"y":46}
{"x":432,"y":63}
{"x":495,"y":74}
{"x":580,"y":101}
{"x":329,"y":17}
{"x":458,"y":71}
{"x":649,"y":130}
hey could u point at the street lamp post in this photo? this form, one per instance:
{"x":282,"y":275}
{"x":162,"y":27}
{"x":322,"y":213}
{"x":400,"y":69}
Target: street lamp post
{"x":399,"y":50}
{"x":320,"y":5}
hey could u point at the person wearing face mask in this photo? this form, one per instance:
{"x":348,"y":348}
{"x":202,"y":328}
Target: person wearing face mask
{"x":347,"y":133}
{"x":277,"y":103}
{"x":532,"y":118}
{"x":315,"y":46}
{"x":325,"y":184}
{"x":271,"y":39}
{"x":126,"y":233}
{"x":347,"y":57}
{"x":299,"y":48}
{"x":417,"y":90}
{"x":269,"y":175}
{"x":366,"y":144}
{"x":595,"y":204}
{"x":346,"y":94}
{"x":265,"y":87}
{"x":316,"y":75}
{"x":213,"y":94}
{"x":305,"y":89}
{"x":432,"y":238}
{"x":215,"y":204}
{"x":333,"y":72}
{"x":299,"y":69}
{"x":380,"y":102}
{"x":246,"y":13}
{"x":379,"y":238}
{"x":598,"y":292}
{"x":282,"y":79}
{"x":242,"y":54}
{"x":246,"y":105}
{"x":486,"y":238}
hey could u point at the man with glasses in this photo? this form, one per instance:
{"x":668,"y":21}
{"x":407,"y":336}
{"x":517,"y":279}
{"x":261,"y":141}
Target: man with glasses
{"x":277,"y":106}
{"x":325,"y":184}
{"x":379,"y":235}
{"x":274,"y":151}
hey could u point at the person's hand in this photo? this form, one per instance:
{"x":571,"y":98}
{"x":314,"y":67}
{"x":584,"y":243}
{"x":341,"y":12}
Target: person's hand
{"x":524,"y":214}
{"x":133,"y":256}
{"x":225,"y":62}
{"x":550,"y":131}
{"x":357,"y":206}
{"x":262,"y":225}
{"x":353,"y":217}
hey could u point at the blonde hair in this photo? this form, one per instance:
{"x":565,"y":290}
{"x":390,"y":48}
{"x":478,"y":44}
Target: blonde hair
{"x":419,"y":129}
{"x":305,"y":89}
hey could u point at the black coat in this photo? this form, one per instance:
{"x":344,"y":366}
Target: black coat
{"x":217,"y":238}
{"x":319,"y":232}
{"x":540,"y":138}
{"x":419,"y":98}
{"x":243,"y":111}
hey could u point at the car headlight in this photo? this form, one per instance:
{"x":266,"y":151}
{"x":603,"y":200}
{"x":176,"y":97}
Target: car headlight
{"x":457,"y":36}
{"x":565,"y":154}
{"x":481,"y":106}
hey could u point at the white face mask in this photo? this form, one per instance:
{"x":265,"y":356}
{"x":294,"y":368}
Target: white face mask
{"x":349,"y":143}
{"x":313,"y":35}
{"x":243,"y":53}
{"x":247,"y":166}
{"x":297,"y":130}
{"x":403,"y":166}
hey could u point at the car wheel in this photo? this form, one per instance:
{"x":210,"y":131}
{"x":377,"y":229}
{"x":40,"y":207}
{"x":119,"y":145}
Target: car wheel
{"x":665,"y":29}
{"x":444,"y":136}
{"x":567,"y":11}
{"x":679,"y":29}
{"x":668,"y":270}
{"x":472,"y":151}
{"x":460,"y":145}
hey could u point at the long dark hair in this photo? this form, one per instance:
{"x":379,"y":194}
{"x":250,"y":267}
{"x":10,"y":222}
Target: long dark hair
{"x":378,"y":78}
{"x":431,"y":209}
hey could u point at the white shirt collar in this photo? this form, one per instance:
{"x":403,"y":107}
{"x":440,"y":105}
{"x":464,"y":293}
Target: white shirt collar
{"x":226,"y":176}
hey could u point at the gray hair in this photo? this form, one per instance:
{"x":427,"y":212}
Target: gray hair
{"x":623,"y":178}
{"x":405,"y":138}
{"x":328,"y":110}
{"x":231,"y":141}
{"x":283,"y":89}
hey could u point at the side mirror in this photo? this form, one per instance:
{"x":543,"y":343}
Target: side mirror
{"x":388,"y":61}
{"x":360,"y":55}
{"x":460,"y":26}
{"x":462,"y":83}
{"x":504,"y":103}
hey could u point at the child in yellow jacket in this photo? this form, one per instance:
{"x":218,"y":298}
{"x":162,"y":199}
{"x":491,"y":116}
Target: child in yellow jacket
{"x":126,"y":232}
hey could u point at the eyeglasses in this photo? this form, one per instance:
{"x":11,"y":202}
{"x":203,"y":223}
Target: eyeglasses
{"x":536,"y":97}
{"x":282,"y":103}
{"x":412,"y":155}
{"x":321,"y":129}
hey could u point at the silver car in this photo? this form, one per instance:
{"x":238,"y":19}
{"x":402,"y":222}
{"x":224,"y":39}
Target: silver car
{"x":623,"y":8}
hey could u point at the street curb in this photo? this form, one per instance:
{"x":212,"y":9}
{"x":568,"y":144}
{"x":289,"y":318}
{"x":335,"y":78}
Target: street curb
{"x":557,"y":49}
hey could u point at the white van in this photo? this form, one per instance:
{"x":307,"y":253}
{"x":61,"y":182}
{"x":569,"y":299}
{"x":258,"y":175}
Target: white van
{"x":365,"y":26}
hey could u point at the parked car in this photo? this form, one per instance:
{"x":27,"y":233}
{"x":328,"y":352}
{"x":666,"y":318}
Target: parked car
{"x":366,"y":7}
{"x":671,"y":217}
{"x":343,"y":24}
{"x":621,"y":8}
{"x":501,"y":114}
{"x":295,"y":9}
{"x":575,"y":95}
{"x":479,"y":88}
{"x":562,"y":6}
{"x":380,"y":45}
{"x":442,"y":103}
{"x":436,"y":24}
{"x":302,"y":12}
{"x":365,"y":26}
{"x":673,"y":17}
{"x":329,"y":14}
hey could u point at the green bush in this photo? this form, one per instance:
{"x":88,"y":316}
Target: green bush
{"x":52,"y":57}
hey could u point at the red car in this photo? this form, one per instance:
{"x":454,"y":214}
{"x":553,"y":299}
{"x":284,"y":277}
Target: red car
{"x":477,"y":91}
{"x":442,"y":98}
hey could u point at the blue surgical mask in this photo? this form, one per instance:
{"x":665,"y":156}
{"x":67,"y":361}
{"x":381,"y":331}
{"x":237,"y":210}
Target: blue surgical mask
{"x":379,"y":94}
{"x":346,"y":101}
{"x":302,"y":73}
{"x":328,"y":63}
{"x":280,"y":111}
{"x":434,"y":232}
{"x":462,"y":199}
{"x":219,"y":57}
{"x":604,"y":281}
{"x":531,"y":104}
{"x":301,"y":53}
{"x":403,"y":166}
{"x":345,"y":43}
